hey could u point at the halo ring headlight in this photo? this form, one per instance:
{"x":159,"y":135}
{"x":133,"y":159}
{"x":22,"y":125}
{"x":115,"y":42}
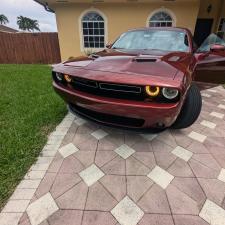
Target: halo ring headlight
{"x":170,"y":93}
{"x":67,"y":78}
{"x":152,"y":91}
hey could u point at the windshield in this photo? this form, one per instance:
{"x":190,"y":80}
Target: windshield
{"x":211,"y":40}
{"x":153,"y":39}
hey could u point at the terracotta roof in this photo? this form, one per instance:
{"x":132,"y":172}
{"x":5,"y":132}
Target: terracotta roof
{"x":7,"y":29}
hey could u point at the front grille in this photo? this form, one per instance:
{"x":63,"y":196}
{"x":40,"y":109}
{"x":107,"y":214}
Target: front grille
{"x":110,"y":90}
{"x":107,"y":118}
{"x":119,"y":87}
{"x":85,"y":82}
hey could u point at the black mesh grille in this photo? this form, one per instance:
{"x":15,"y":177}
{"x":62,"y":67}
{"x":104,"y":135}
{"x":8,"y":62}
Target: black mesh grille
{"x":120,"y":88}
{"x":109,"y":90}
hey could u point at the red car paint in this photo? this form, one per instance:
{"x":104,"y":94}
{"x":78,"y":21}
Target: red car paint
{"x":167,"y":69}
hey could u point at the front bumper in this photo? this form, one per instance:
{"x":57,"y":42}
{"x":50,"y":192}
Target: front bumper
{"x":124,"y":113}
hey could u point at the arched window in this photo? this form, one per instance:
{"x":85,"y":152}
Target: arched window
{"x":93,"y":27}
{"x":161,"y":19}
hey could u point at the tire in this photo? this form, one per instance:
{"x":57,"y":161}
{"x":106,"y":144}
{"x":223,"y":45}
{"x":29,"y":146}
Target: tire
{"x":190,"y":110}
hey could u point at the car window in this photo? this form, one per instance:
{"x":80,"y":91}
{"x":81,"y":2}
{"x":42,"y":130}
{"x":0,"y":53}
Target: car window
{"x":211,"y":40}
{"x":163,"y":40}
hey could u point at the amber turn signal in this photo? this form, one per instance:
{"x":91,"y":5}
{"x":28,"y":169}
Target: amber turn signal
{"x":152,"y":91}
{"x":67,"y":78}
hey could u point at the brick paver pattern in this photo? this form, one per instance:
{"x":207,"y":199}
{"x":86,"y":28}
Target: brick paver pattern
{"x":106,"y":176}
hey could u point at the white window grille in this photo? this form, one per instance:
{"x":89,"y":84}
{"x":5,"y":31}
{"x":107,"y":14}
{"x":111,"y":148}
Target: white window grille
{"x":93,"y":27}
{"x":161,"y":19}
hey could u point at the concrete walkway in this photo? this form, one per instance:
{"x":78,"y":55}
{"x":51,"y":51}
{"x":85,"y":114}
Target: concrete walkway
{"x":93,"y":175}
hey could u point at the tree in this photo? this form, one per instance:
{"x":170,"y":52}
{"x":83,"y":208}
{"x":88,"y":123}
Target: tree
{"x":28,"y":24}
{"x":3,"y":19}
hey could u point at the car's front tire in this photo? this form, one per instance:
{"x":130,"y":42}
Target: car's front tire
{"x":190,"y":110}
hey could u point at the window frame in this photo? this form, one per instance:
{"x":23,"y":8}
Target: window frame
{"x":164,"y":10}
{"x":220,"y":26}
{"x":82,"y":35}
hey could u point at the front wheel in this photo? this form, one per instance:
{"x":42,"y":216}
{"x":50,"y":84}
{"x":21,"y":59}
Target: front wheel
{"x":190,"y":110}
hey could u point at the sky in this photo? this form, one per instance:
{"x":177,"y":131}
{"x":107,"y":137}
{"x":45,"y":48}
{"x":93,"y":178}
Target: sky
{"x":28,"y":8}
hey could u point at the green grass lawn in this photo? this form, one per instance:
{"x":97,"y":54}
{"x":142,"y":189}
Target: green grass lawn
{"x":29,"y":111}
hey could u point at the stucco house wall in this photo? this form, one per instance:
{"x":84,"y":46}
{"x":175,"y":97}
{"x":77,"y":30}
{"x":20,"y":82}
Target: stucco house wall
{"x":118,"y":18}
{"x":216,"y":11}
{"x":122,"y":15}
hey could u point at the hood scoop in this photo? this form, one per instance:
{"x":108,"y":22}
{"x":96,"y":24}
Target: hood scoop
{"x":144,"y":58}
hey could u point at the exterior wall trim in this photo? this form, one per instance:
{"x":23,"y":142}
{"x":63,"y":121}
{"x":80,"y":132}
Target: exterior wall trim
{"x":91,"y":9}
{"x":162,"y":9}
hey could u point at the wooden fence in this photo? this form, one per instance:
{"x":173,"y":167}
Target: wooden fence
{"x":22,"y":48}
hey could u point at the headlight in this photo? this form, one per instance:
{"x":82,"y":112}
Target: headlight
{"x":59,"y":76}
{"x":152,"y":91}
{"x":170,"y":93}
{"x":67,"y":78}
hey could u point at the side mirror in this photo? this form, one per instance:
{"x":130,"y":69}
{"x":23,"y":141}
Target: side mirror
{"x":217,"y":48}
{"x":109,"y":45}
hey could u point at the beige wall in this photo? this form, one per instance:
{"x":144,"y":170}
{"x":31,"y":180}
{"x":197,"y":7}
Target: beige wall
{"x":223,"y":10}
{"x":119,"y":18}
{"x":218,"y":8}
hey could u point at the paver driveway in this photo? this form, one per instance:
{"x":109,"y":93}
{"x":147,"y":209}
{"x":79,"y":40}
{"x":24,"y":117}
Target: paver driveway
{"x":104,"y":176}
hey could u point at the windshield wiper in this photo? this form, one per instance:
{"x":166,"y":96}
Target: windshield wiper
{"x":151,"y":49}
{"x":116,"y":48}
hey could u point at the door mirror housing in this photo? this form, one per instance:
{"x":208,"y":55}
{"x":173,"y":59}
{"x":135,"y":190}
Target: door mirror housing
{"x":217,"y":48}
{"x":109,"y":45}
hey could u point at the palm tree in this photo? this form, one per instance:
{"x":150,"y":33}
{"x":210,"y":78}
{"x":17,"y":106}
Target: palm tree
{"x":28,"y":24}
{"x":34,"y":25}
{"x":3,"y":19}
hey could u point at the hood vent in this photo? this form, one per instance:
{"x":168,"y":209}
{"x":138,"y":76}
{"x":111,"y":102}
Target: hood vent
{"x":144,"y":59}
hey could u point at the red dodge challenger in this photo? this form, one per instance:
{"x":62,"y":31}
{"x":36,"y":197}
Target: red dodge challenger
{"x":145,"y":79}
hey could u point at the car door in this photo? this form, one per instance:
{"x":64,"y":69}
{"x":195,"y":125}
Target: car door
{"x":210,"y":61}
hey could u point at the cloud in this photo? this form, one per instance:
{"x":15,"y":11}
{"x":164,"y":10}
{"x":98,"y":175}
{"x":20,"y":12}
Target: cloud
{"x":28,"y":8}
{"x":45,"y":26}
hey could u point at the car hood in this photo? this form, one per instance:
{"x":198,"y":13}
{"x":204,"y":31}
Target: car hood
{"x":146,"y":62}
